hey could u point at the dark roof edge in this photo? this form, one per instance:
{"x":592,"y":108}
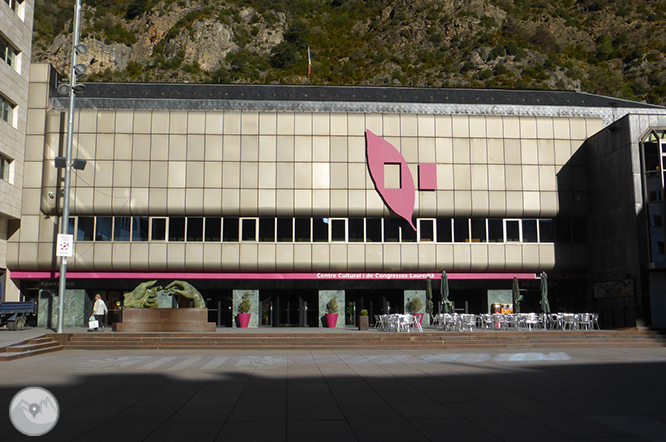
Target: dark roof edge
{"x":359,"y":94}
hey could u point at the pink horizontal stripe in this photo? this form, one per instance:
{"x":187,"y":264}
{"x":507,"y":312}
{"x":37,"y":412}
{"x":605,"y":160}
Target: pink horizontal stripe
{"x":340,"y":276}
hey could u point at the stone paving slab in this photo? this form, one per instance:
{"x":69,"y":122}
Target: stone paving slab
{"x":602,"y":395}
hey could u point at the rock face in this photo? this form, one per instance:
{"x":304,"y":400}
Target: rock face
{"x":170,"y":32}
{"x":609,"y":48}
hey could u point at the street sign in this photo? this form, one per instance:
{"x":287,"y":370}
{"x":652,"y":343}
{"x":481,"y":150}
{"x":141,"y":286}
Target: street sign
{"x":65,"y":245}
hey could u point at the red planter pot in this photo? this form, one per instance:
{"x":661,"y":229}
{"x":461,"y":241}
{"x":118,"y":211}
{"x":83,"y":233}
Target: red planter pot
{"x":331,"y":319}
{"x":244,"y":319}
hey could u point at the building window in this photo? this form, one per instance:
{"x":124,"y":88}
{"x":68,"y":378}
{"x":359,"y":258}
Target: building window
{"x":356,"y":230}
{"x":407,"y":233}
{"x":426,"y":230}
{"x":373,"y":230}
{"x":391,"y":230}
{"x":158,"y":230}
{"x":122,"y":228}
{"x":6,"y":110}
{"x":230,"y":229}
{"x":478,"y":229}
{"x":8,"y":53}
{"x":267,"y":229}
{"x":338,"y":229}
{"x":546,"y":230}
{"x":302,"y":230}
{"x":213,"y":229}
{"x":5,"y":166}
{"x":320,"y":229}
{"x":461,"y":230}
{"x":530,"y":230}
{"x":249,"y":229}
{"x":104,"y":228}
{"x":140,"y":228}
{"x":195,"y":229}
{"x":285,"y":230}
{"x":513,"y":230}
{"x":85,"y":228}
{"x":177,"y":229}
{"x":444,"y":230}
{"x":495,"y":230}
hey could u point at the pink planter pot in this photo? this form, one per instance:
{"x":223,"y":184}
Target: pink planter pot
{"x":331,"y":319}
{"x":244,"y":319}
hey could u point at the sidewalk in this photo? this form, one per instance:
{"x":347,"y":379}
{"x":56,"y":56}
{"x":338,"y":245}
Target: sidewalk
{"x":581,"y":395}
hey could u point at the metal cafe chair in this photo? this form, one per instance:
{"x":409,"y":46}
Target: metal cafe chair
{"x":569,"y":321}
{"x":584,"y":321}
{"x":595,"y":320}
{"x":531,"y":321}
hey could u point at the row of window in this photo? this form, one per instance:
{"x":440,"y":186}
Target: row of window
{"x":7,"y":52}
{"x":6,"y":110}
{"x":355,"y":230}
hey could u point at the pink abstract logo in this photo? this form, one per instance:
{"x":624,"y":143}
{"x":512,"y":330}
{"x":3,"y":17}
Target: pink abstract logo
{"x":400,"y":200}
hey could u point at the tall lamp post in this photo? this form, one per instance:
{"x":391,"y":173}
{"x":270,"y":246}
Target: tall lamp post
{"x":65,"y":242}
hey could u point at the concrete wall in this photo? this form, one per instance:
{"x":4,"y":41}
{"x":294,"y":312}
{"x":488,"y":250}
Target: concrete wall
{"x":16,"y":29}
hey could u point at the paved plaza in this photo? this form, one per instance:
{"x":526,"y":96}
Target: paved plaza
{"x":601,"y":395}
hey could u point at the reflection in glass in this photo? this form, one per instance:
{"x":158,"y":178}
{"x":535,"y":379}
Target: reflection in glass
{"x":140,"y":228}
{"x":103,"y":232}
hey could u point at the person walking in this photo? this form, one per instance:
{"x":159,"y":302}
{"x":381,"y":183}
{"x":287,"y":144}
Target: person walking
{"x":100,"y":311}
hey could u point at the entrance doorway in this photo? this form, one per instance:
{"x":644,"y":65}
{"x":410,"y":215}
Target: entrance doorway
{"x":289,"y":308}
{"x":376,"y":302}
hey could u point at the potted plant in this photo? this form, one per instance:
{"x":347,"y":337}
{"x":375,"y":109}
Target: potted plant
{"x":332,"y":312}
{"x":364,"y":320}
{"x":414,"y":307}
{"x":244,"y":311}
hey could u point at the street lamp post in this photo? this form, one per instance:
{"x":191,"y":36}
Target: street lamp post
{"x":66,"y":163}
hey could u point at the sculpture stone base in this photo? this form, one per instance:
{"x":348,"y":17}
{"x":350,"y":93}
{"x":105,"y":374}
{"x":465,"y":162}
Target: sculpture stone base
{"x":138,"y":320}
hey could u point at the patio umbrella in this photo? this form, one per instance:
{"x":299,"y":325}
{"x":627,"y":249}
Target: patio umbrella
{"x":444,"y":291}
{"x":428,"y":296}
{"x":545,"y":306}
{"x":517,"y":297}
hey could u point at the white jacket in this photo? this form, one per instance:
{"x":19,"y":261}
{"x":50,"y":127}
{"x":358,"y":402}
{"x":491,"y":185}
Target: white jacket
{"x":99,"y":308}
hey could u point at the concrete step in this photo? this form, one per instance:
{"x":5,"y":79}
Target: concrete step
{"x":32,"y":347}
{"x":374,"y":340}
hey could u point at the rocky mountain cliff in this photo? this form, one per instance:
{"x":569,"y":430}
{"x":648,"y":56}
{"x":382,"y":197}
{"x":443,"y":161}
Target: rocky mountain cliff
{"x":609,"y":47}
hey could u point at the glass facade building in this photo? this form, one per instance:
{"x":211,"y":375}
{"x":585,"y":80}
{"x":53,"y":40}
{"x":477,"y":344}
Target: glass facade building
{"x":279,"y":191}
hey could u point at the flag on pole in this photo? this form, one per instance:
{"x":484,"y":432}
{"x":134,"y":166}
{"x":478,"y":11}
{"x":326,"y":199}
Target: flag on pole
{"x":309,"y":62}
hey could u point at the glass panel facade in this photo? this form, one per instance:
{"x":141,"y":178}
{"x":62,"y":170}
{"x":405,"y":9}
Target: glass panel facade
{"x":195,"y":229}
{"x":356,"y":233}
{"x":368,"y":230}
{"x":513,"y":231}
{"x":248,"y":229}
{"x":478,"y":229}
{"x":338,"y":229}
{"x":103,"y":231}
{"x":285,"y":230}
{"x":267,"y":229}
{"x":230,"y":229}
{"x":140,"y":228}
{"x":213,"y":229}
{"x":158,"y":230}
{"x":177,"y":229}
{"x":85,"y":228}
{"x":530,"y":230}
